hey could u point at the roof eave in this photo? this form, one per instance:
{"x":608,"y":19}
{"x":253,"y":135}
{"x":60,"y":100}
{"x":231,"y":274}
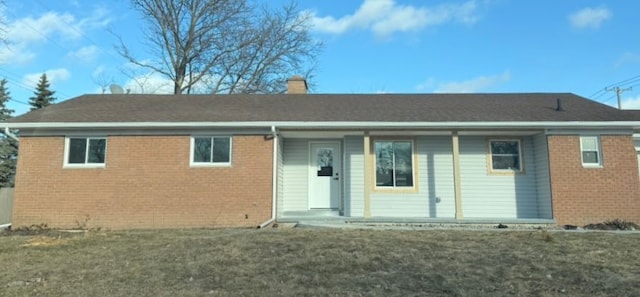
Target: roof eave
{"x":325,"y":125}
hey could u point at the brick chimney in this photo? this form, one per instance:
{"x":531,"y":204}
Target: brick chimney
{"x":296,"y":85}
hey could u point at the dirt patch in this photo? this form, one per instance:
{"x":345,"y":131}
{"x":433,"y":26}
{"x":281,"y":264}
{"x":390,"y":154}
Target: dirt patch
{"x":46,"y":241}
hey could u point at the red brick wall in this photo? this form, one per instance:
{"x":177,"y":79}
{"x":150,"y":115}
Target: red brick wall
{"x":147,"y":183}
{"x":592,"y":195}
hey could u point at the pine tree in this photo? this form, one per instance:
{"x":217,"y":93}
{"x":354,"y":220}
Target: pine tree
{"x":8,"y":146}
{"x":43,"y":96}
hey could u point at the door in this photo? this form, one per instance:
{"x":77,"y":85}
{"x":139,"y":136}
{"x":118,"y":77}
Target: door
{"x":325,"y":174}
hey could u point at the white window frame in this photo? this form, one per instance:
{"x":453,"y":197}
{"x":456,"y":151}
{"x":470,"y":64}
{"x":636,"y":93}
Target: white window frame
{"x":210,"y":164}
{"x":520,"y":156}
{"x":414,"y":167}
{"x":598,"y":151}
{"x":86,"y":163}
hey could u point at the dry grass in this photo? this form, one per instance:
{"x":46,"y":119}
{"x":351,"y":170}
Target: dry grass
{"x":321,"y":262}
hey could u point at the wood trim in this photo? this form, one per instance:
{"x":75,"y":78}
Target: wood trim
{"x":414,"y":157}
{"x":491,"y":171}
{"x":367,"y":176}
{"x":456,"y":174}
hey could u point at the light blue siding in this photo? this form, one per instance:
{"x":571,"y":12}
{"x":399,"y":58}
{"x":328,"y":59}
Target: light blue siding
{"x":295,"y":165}
{"x":541,"y":154}
{"x":435,"y":197}
{"x":279,"y":179}
{"x":486,"y":195}
{"x":353,"y":176}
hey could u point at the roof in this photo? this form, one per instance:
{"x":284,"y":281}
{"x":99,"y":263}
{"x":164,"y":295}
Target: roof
{"x":367,"y":108}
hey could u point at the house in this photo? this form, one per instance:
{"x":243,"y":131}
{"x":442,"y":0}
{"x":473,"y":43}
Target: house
{"x":173,"y":161}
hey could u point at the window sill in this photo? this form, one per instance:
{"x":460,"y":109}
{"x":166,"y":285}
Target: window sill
{"x":592,"y":166}
{"x":395,"y":190}
{"x":506,"y":172}
{"x":83,"y":166}
{"x":209,"y":165}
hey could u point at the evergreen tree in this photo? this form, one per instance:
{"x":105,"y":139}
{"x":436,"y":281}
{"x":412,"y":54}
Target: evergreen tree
{"x":8,"y":146}
{"x":43,"y":96}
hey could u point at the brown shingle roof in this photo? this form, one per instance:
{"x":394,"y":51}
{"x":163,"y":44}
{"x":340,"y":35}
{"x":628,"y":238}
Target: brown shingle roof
{"x":522,"y":107}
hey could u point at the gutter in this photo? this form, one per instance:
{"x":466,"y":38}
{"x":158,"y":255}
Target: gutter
{"x":5,"y":226}
{"x":329,"y":124}
{"x":274,"y":181}
{"x":11,"y":135}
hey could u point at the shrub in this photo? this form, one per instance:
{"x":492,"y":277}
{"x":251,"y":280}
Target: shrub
{"x":615,"y":224}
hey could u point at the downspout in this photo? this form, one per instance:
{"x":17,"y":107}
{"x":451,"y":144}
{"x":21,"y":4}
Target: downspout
{"x":11,"y":135}
{"x":274,"y":180}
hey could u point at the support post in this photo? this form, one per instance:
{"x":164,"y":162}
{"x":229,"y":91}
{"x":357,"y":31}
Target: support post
{"x":456,"y":175}
{"x":368,"y":179}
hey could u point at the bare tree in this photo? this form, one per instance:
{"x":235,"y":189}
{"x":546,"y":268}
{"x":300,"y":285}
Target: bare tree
{"x":224,"y":46}
{"x":102,"y":79}
{"x":3,"y":25}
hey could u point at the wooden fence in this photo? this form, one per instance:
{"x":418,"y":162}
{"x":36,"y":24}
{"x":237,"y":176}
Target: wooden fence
{"x":6,"y":206}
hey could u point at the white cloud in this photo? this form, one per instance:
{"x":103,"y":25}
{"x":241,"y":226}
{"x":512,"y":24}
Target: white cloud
{"x":627,"y":58}
{"x":32,"y":30}
{"x":590,"y":17}
{"x":385,"y":17}
{"x":85,"y":54}
{"x":53,"y":76}
{"x":630,"y":103}
{"x":23,"y":34}
{"x":15,"y":55}
{"x":150,"y":83}
{"x":473,"y":85}
{"x":100,"y":70}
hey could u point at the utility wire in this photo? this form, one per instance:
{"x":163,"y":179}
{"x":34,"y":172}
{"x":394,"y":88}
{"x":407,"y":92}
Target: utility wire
{"x":632,"y":81}
{"x":81,"y":33}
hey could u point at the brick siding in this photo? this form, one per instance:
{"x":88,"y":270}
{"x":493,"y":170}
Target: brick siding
{"x":593,"y":195}
{"x":147,"y":183}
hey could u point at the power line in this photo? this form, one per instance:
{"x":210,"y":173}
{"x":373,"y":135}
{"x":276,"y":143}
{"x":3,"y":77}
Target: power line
{"x":626,"y":81}
{"x":80,"y":32}
{"x":618,"y":87}
{"x":609,"y":99}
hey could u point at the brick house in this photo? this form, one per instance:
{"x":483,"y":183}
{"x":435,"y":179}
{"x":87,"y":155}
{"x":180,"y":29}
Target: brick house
{"x":174,"y":161}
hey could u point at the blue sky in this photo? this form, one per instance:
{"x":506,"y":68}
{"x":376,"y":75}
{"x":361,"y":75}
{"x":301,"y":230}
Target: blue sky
{"x":371,"y":46}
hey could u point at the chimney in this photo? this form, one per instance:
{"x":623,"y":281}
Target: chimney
{"x":296,"y":85}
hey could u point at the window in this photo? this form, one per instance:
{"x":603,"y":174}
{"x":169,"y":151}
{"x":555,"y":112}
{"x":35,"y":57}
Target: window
{"x":506,"y":155}
{"x":590,"y":148}
{"x":211,"y":150}
{"x":84,"y":151}
{"x":394,"y":164}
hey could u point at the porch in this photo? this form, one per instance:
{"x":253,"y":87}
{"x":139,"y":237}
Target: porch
{"x":445,"y":177}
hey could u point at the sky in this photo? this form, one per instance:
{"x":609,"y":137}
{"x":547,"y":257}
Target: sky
{"x":370,"y":46}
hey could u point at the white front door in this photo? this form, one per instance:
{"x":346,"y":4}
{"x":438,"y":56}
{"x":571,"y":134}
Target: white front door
{"x":325,"y":174}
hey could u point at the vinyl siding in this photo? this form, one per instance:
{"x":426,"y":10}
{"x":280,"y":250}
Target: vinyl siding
{"x":435,"y":196}
{"x":486,"y":195}
{"x":541,"y":154}
{"x":353,"y":176}
{"x":279,"y":179}
{"x":295,"y":165}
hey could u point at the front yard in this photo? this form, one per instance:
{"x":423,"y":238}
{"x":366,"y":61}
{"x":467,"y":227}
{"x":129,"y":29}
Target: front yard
{"x":320,"y":262}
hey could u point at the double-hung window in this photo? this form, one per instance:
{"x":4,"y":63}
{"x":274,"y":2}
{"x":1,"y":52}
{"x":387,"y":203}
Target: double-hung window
{"x":590,"y":149}
{"x":505,"y":155}
{"x":211,"y":150}
{"x":85,"y":151}
{"x":394,"y":164}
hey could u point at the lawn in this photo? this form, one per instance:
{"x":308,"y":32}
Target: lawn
{"x":320,"y":262}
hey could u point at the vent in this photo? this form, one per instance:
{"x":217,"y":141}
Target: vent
{"x":559,"y":105}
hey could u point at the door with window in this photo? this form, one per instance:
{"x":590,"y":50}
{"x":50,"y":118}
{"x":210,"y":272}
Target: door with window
{"x":325,"y":174}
